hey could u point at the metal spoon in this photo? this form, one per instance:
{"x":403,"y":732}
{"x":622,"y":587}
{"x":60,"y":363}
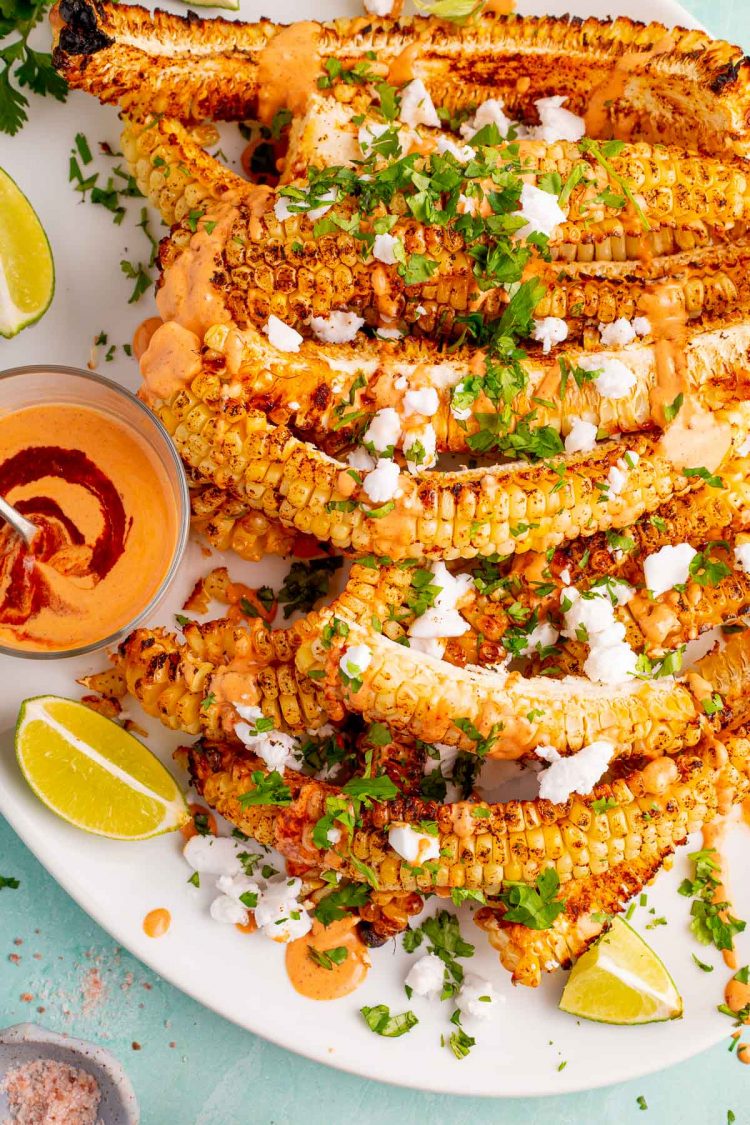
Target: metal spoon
{"x":25,"y":528}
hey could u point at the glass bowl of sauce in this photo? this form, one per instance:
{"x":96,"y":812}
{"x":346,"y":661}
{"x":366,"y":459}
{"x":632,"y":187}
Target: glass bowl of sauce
{"x":96,"y":473}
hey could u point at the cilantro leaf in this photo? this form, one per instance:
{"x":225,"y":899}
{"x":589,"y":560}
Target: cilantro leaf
{"x":535,"y":907}
{"x":380,"y":1020}
{"x":269,"y":789}
{"x":328,"y":958}
{"x":335,"y":905}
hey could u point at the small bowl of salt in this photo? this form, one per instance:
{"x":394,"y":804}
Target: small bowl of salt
{"x":52,"y":1079}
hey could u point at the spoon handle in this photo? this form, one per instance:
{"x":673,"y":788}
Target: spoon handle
{"x":25,"y":528}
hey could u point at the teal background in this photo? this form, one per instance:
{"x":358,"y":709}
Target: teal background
{"x":196,"y":1069}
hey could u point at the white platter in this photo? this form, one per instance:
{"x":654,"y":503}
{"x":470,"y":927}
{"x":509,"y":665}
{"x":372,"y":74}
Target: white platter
{"x":240,"y":977}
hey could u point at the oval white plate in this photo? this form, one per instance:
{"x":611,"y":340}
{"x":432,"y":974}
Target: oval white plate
{"x":240,"y":977}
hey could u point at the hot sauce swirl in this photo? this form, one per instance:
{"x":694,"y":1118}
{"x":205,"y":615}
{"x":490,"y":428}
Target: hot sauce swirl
{"x":105,"y":535}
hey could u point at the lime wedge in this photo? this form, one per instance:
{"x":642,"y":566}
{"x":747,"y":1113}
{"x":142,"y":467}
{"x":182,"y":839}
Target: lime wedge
{"x":230,"y":5}
{"x":93,"y":773}
{"x":621,"y":980}
{"x":27,"y":273}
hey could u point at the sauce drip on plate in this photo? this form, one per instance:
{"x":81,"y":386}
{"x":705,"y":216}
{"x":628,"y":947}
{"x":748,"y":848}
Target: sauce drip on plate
{"x":318,"y":982}
{"x":157,"y":922}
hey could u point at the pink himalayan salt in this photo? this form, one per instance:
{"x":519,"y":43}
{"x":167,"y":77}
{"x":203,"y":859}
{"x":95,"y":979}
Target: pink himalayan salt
{"x":47,"y":1092}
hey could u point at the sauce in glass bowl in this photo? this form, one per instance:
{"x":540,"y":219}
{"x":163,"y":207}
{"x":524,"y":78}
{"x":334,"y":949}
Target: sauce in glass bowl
{"x":108,"y":525}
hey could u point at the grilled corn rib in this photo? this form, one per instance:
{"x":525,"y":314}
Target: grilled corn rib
{"x":173,"y":170}
{"x":174,"y":681}
{"x":674,"y":86}
{"x":528,"y":953}
{"x":189,"y":690}
{"x":422,"y":696}
{"x":506,"y":509}
{"x":271,"y":265}
{"x":513,"y":841}
{"x":328,"y":394}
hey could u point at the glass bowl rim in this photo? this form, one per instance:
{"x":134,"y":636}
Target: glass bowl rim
{"x":170,"y":455}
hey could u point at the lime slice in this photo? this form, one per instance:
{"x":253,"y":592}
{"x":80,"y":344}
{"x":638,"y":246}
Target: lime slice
{"x":27,"y":273}
{"x":621,"y":980}
{"x":93,"y":773}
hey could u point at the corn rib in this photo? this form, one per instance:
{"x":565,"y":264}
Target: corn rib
{"x":682,"y":87}
{"x":512,"y":842}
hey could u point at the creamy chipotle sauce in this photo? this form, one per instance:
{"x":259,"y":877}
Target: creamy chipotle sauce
{"x":317,"y":982}
{"x":288,"y":70}
{"x":106,"y":524}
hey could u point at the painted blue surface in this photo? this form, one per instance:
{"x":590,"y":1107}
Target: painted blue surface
{"x":192,"y":1067}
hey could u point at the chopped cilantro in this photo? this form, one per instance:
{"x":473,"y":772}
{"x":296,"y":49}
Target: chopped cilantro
{"x":269,"y":789}
{"x":672,"y":409}
{"x":336,"y":903}
{"x":482,"y":743}
{"x":328,"y":958}
{"x":139,"y":275}
{"x":710,"y":478}
{"x":467,"y":894}
{"x":443,"y":935}
{"x":461,"y":1043}
{"x":537,"y":906}
{"x":380,"y":1020}
{"x":603,"y":152}
{"x":306,"y":583}
{"x":711,"y":921}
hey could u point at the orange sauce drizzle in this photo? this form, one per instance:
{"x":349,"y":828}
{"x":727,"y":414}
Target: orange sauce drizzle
{"x":598,"y":116}
{"x":318,"y":983}
{"x":157,"y":922}
{"x":288,"y":70}
{"x":693,"y":438}
{"x":401,"y":69}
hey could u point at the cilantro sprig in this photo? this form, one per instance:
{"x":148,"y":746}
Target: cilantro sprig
{"x":21,"y":67}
